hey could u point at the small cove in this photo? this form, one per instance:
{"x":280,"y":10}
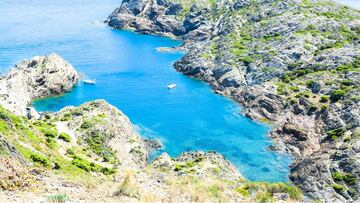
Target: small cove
{"x":132,"y":75}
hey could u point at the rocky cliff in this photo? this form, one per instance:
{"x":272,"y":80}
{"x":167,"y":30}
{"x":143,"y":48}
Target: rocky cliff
{"x":294,"y":63}
{"x":39,"y":77}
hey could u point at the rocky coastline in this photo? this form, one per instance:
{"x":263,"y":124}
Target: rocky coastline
{"x":293,"y":63}
{"x":92,"y":152}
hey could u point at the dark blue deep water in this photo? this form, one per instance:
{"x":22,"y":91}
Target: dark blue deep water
{"x":132,"y":75}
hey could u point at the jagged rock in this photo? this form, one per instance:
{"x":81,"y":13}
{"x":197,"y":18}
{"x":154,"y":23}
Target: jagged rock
{"x":42,"y":76}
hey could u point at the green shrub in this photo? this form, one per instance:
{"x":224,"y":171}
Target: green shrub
{"x":65,"y":118}
{"x":336,"y":133}
{"x":337,"y":95}
{"x":346,"y":177}
{"x":59,"y":198}
{"x":338,"y":187}
{"x":324,"y":99}
{"x":310,"y":83}
{"x":247,"y":60}
{"x":190,"y":164}
{"x":51,"y":143}
{"x":324,"y":107}
{"x":337,"y":176}
{"x":179,"y":167}
{"x":85,"y":125}
{"x":347,"y":82}
{"x":64,"y":136}
{"x":108,"y":171}
{"x":48,"y":132}
{"x":70,"y":151}
{"x":81,"y":163}
{"x":294,"y":88}
{"x":90,"y":166}
{"x":242,"y":191}
{"x":37,"y":158}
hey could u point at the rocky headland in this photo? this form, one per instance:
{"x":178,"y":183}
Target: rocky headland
{"x":92,"y":153}
{"x":42,"y":76}
{"x":292,"y":63}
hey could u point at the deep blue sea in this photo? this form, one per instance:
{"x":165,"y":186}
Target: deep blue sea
{"x":132,"y":75}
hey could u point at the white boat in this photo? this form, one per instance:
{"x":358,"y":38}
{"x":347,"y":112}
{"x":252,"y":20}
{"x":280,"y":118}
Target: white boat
{"x":171,"y":86}
{"x":88,"y":81}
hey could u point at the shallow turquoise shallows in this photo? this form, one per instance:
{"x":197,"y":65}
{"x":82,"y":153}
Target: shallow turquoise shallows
{"x":132,"y":75}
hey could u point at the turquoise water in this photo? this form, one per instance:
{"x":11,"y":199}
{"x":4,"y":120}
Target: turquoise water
{"x":133,"y":76}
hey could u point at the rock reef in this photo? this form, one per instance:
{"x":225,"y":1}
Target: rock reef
{"x":294,"y":63}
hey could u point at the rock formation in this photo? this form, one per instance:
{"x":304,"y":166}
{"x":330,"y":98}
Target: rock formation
{"x":42,"y":76}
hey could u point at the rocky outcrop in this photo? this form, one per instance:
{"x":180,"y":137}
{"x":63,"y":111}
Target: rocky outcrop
{"x":200,"y":164}
{"x":42,"y":76}
{"x":159,"y":17}
{"x":293,"y":63}
{"x":106,"y":132}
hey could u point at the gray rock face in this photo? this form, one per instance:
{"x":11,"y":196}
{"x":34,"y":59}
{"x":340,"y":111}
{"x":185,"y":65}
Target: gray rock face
{"x":281,"y":60}
{"x":8,"y":150}
{"x":42,"y":76}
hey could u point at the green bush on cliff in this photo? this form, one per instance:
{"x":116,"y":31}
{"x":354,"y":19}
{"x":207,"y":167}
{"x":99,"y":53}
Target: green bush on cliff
{"x":346,"y":177}
{"x":51,"y":143}
{"x":91,"y":166}
{"x":338,"y":187}
{"x":337,"y":95}
{"x":108,"y":171}
{"x":64,"y":136}
{"x":85,"y":125}
{"x":324,"y":99}
{"x":37,"y":158}
{"x":59,"y":198}
{"x":48,"y":129}
{"x":246,"y":60}
{"x":83,"y":164}
{"x":336,"y":133}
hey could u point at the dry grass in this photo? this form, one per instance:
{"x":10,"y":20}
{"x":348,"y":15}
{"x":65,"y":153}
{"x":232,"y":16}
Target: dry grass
{"x":14,"y":176}
{"x":128,"y":186}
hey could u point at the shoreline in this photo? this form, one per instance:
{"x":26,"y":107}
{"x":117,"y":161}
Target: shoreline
{"x":257,"y":81}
